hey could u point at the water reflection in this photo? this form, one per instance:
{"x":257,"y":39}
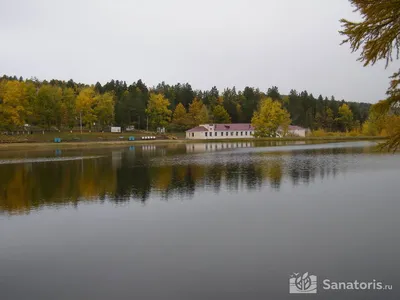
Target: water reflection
{"x":139,"y":172}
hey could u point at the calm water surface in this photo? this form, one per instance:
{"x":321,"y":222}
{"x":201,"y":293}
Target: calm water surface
{"x":198,"y":221}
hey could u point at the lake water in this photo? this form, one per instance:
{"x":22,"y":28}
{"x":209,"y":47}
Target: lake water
{"x":198,"y":221}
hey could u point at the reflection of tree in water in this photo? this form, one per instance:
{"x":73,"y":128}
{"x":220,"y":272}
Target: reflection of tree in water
{"x":274,"y":172}
{"x":213,"y":177}
{"x":321,"y":163}
{"x":135,"y":175}
{"x":182,"y":183}
{"x":132,"y":182}
{"x":26,"y":186}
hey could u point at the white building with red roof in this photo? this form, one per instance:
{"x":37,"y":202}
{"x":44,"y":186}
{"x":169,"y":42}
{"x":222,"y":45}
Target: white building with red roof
{"x":233,"y":131}
{"x":221,"y":131}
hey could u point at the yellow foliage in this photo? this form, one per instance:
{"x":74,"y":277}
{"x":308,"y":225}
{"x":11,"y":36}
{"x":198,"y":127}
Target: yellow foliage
{"x":318,"y":133}
{"x":104,"y":109}
{"x":353,"y":132}
{"x":392,"y":124}
{"x":269,"y":117}
{"x":381,"y":124}
{"x":197,"y":113}
{"x":323,"y":133}
{"x":369,"y":129}
{"x":158,"y":111}
{"x":180,"y":117}
{"x":85,"y":103}
{"x":12,"y":109}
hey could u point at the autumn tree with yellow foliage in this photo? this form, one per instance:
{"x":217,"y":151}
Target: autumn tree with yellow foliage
{"x":381,"y":124}
{"x":85,"y":104}
{"x":104,"y":109}
{"x":345,"y":118}
{"x":269,"y":117}
{"x":198,"y":113}
{"x":14,"y":108}
{"x":180,"y":119}
{"x":68,"y":108}
{"x":95,"y":108}
{"x":158,"y":111}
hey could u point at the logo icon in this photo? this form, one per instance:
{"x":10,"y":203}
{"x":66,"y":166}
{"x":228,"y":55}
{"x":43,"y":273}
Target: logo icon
{"x":302,"y":283}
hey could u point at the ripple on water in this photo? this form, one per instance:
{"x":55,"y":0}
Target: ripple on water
{"x":44,"y":159}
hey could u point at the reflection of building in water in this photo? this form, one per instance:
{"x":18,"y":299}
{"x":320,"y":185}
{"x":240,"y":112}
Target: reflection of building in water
{"x":205,"y":147}
{"x":152,"y":150}
{"x":116,"y":158}
{"x":149,"y":148}
{"x":295,"y":143}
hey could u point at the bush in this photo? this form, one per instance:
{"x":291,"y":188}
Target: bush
{"x":318,"y":133}
{"x":323,"y":133}
{"x":354,"y":132}
{"x":369,"y":129}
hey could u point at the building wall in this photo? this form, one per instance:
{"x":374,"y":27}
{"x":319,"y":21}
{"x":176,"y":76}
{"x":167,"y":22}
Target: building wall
{"x":298,"y":132}
{"x":293,"y":132}
{"x":211,"y":134}
{"x":217,"y":135}
{"x":195,"y":135}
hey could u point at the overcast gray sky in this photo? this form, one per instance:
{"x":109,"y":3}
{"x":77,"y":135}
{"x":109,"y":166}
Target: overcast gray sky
{"x":260,"y":43}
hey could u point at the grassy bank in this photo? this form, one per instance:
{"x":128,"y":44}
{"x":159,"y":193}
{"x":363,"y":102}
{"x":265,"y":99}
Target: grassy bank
{"x":75,"y":137}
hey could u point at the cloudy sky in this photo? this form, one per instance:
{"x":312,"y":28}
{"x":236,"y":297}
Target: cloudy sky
{"x":260,"y":43}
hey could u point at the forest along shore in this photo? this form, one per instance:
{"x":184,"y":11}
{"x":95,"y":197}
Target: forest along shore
{"x":33,"y":105}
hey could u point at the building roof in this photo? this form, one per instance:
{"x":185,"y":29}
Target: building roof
{"x":222,"y":127}
{"x":293,"y":127}
{"x":197,"y":129}
{"x":233,"y":127}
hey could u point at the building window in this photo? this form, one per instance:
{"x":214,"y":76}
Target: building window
{"x":206,"y":133}
{"x":192,"y":134}
{"x":231,"y":133}
{"x":245,"y":133}
{"x":237,"y":133}
{"x":226,"y":133}
{"x":241,"y":133}
{"x":210,"y":133}
{"x":222,"y":134}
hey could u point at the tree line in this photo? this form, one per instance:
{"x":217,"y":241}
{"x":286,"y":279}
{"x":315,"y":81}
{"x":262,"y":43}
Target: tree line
{"x":65,"y":104}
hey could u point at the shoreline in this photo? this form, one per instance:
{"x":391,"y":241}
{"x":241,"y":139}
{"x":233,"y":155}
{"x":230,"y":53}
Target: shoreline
{"x":93,"y":144}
